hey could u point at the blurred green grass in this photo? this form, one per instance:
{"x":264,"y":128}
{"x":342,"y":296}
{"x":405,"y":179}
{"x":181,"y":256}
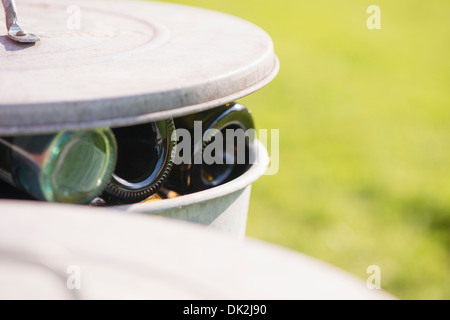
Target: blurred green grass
{"x":364,"y":123}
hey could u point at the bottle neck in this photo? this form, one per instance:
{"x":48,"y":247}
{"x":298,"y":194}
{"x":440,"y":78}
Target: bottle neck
{"x":224,"y":155}
{"x":145,"y":158}
{"x":71,"y":167}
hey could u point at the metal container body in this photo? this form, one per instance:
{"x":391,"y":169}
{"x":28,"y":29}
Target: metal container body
{"x":222,"y":208}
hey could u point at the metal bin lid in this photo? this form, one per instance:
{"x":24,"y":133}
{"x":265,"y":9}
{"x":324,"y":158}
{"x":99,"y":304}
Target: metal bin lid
{"x":115,"y":63}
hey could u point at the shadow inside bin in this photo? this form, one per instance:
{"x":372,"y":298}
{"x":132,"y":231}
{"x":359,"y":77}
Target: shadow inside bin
{"x":11,"y":193}
{"x":12,"y":46}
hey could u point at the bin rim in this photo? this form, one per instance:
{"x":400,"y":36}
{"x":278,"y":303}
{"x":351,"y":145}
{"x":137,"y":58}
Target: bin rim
{"x":257,"y":169}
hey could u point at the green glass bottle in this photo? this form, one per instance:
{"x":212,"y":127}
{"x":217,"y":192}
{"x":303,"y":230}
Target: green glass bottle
{"x":145,"y":158}
{"x":196,"y":174}
{"x":69,"y":167}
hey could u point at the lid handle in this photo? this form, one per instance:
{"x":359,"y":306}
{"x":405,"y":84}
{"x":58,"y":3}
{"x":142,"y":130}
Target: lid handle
{"x":15,"y":32}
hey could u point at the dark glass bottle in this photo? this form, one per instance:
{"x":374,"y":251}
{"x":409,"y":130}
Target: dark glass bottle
{"x":9,"y":192}
{"x":71,"y":167}
{"x":198,"y":174}
{"x":145,"y":158}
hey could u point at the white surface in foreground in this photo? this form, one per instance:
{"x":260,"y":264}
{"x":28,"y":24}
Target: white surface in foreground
{"x":135,"y":256}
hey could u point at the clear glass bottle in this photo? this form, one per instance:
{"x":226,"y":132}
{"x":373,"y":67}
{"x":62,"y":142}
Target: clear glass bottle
{"x":145,"y":158}
{"x":70,"y":167}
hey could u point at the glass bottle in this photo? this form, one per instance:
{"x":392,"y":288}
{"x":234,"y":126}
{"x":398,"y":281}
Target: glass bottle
{"x":145,"y":158}
{"x":70,"y":167}
{"x":198,"y":174}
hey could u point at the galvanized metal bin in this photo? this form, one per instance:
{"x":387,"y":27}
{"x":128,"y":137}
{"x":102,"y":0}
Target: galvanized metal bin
{"x":128,"y":63}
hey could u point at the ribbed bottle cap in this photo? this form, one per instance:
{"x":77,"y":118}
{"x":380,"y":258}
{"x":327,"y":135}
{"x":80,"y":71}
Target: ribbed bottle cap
{"x":144,"y":166}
